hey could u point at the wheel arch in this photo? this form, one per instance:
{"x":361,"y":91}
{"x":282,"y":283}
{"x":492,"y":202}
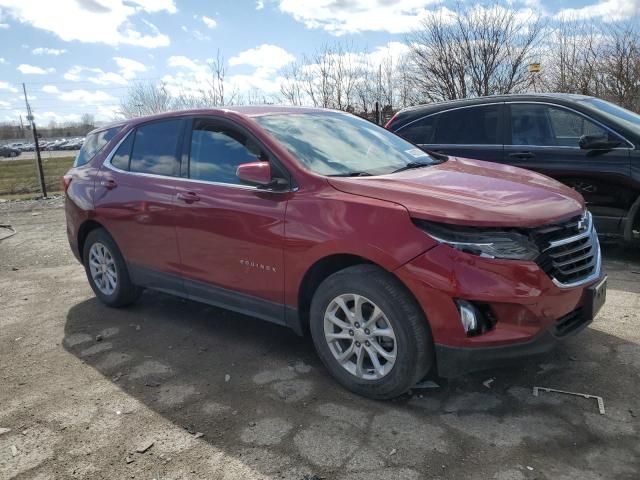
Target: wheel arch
{"x":323,"y":268}
{"x":633,"y":217}
{"x":87,"y":226}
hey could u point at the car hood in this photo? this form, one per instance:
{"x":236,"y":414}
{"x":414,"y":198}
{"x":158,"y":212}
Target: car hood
{"x":471,"y":192}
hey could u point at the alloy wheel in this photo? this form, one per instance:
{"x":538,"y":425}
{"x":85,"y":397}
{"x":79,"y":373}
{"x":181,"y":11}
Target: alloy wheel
{"x":102,"y":266}
{"x":360,"y":336}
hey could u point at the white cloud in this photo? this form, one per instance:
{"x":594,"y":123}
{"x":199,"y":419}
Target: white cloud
{"x":129,"y":68}
{"x":50,"y":89}
{"x":259,"y":4}
{"x":98,"y":76}
{"x":2,"y":61}
{"x":7,"y":86}
{"x":5,"y":104}
{"x":93,"y":21}
{"x":607,"y":10}
{"x":180,"y":61}
{"x":34,"y":70}
{"x":153,"y":6}
{"x":269,"y":57}
{"x":4,"y":25}
{"x":339,"y":18}
{"x":86,"y":96}
{"x":209,"y":22}
{"x":48,"y":51}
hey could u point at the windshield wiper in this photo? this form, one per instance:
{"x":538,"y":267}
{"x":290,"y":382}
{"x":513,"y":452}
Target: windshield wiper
{"x":351,"y":174}
{"x":412,"y":165}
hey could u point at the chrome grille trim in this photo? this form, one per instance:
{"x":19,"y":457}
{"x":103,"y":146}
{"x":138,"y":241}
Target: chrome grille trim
{"x":570,"y":256}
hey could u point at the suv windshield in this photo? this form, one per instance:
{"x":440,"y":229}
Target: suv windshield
{"x":334,"y":143}
{"x":627,"y":117}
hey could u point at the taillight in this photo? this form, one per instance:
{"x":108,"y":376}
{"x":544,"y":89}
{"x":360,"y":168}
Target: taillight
{"x":66,"y":181}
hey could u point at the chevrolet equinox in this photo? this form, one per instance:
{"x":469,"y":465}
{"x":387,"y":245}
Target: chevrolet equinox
{"x":397,"y":261}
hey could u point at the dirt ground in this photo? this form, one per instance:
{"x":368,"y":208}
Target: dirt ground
{"x":171,"y":389}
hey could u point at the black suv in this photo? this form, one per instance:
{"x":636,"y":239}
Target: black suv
{"x":586,"y":143}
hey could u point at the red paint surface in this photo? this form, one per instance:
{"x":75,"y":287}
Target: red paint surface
{"x":263,"y":243}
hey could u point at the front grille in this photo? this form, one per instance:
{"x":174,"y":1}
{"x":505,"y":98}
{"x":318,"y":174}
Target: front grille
{"x":570,"y":322}
{"x":570,"y":252}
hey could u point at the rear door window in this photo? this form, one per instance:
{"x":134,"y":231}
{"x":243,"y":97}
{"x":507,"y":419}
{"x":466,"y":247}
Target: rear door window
{"x":94,"y":143}
{"x":155,"y":148}
{"x":122,"y":156}
{"x":421,"y":131}
{"x":468,"y":126}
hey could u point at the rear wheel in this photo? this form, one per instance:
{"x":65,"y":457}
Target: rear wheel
{"x":370,"y":333}
{"x":107,"y":271}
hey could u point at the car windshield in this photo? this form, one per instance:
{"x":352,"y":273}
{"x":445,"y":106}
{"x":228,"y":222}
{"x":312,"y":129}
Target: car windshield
{"x":333,"y":143}
{"x":630,"y":119}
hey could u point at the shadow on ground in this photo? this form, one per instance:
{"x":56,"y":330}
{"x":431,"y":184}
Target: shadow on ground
{"x":257,"y":391}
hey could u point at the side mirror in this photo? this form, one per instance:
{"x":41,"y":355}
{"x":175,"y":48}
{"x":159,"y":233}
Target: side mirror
{"x":258,"y":173}
{"x":597,"y":142}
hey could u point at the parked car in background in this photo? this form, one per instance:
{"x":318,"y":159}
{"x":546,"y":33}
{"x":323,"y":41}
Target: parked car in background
{"x":589,"y":144}
{"x":397,"y":262}
{"x":6,"y":151}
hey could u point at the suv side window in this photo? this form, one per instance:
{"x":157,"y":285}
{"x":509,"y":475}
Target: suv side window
{"x":216,"y":152}
{"x":421,"y":131}
{"x":122,"y":156}
{"x":468,"y":126}
{"x":546,"y":125}
{"x":155,"y":148}
{"x":94,"y":143}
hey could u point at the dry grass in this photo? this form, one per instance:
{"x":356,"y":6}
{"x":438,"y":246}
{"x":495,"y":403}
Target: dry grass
{"x":18,"y":177}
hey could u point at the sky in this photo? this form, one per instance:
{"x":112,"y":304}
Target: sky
{"x":82,"y":56}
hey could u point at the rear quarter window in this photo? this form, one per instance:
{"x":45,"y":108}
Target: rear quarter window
{"x":94,"y":143}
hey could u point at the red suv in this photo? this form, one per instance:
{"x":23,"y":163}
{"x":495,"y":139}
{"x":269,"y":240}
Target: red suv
{"x":399,"y":262}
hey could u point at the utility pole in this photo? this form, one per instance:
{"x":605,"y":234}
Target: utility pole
{"x":40,"y":173}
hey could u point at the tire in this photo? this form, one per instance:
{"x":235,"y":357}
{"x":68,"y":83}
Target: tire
{"x":122,"y":291}
{"x":412,"y":344}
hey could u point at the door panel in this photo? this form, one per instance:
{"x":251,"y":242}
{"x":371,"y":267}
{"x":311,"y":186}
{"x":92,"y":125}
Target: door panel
{"x":544,"y":138}
{"x":138,"y":208}
{"x":230,"y":234}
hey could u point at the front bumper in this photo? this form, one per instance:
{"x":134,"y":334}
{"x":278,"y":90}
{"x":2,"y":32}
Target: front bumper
{"x":456,"y":361}
{"x":532,"y":314}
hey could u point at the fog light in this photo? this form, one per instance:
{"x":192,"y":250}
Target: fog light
{"x":468,"y":316}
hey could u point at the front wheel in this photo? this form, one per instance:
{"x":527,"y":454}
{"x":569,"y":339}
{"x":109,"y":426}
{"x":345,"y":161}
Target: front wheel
{"x":107,"y":271}
{"x":370,"y":333}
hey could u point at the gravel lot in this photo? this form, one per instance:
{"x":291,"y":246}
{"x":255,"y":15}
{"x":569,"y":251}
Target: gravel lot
{"x":222,"y":396}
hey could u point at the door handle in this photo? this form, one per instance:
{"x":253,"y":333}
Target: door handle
{"x":109,"y":184}
{"x":522,"y":155}
{"x":188,"y":197}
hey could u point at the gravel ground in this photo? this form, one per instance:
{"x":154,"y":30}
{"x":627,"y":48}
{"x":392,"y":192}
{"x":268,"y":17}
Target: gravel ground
{"x":171,"y":389}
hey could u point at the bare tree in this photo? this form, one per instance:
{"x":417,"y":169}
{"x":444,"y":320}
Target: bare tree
{"x":572,"y":56}
{"x":619,"y":66}
{"x":291,"y":86}
{"x":481,"y":50}
{"x":145,"y":98}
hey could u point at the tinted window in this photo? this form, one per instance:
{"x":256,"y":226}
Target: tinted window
{"x":94,"y":143}
{"x":216,"y":152}
{"x":545,"y":125}
{"x":420,"y":131}
{"x":121,"y":158}
{"x":468,"y":126}
{"x":155,"y":148}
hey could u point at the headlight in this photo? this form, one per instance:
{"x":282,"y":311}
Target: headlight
{"x":485,"y":242}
